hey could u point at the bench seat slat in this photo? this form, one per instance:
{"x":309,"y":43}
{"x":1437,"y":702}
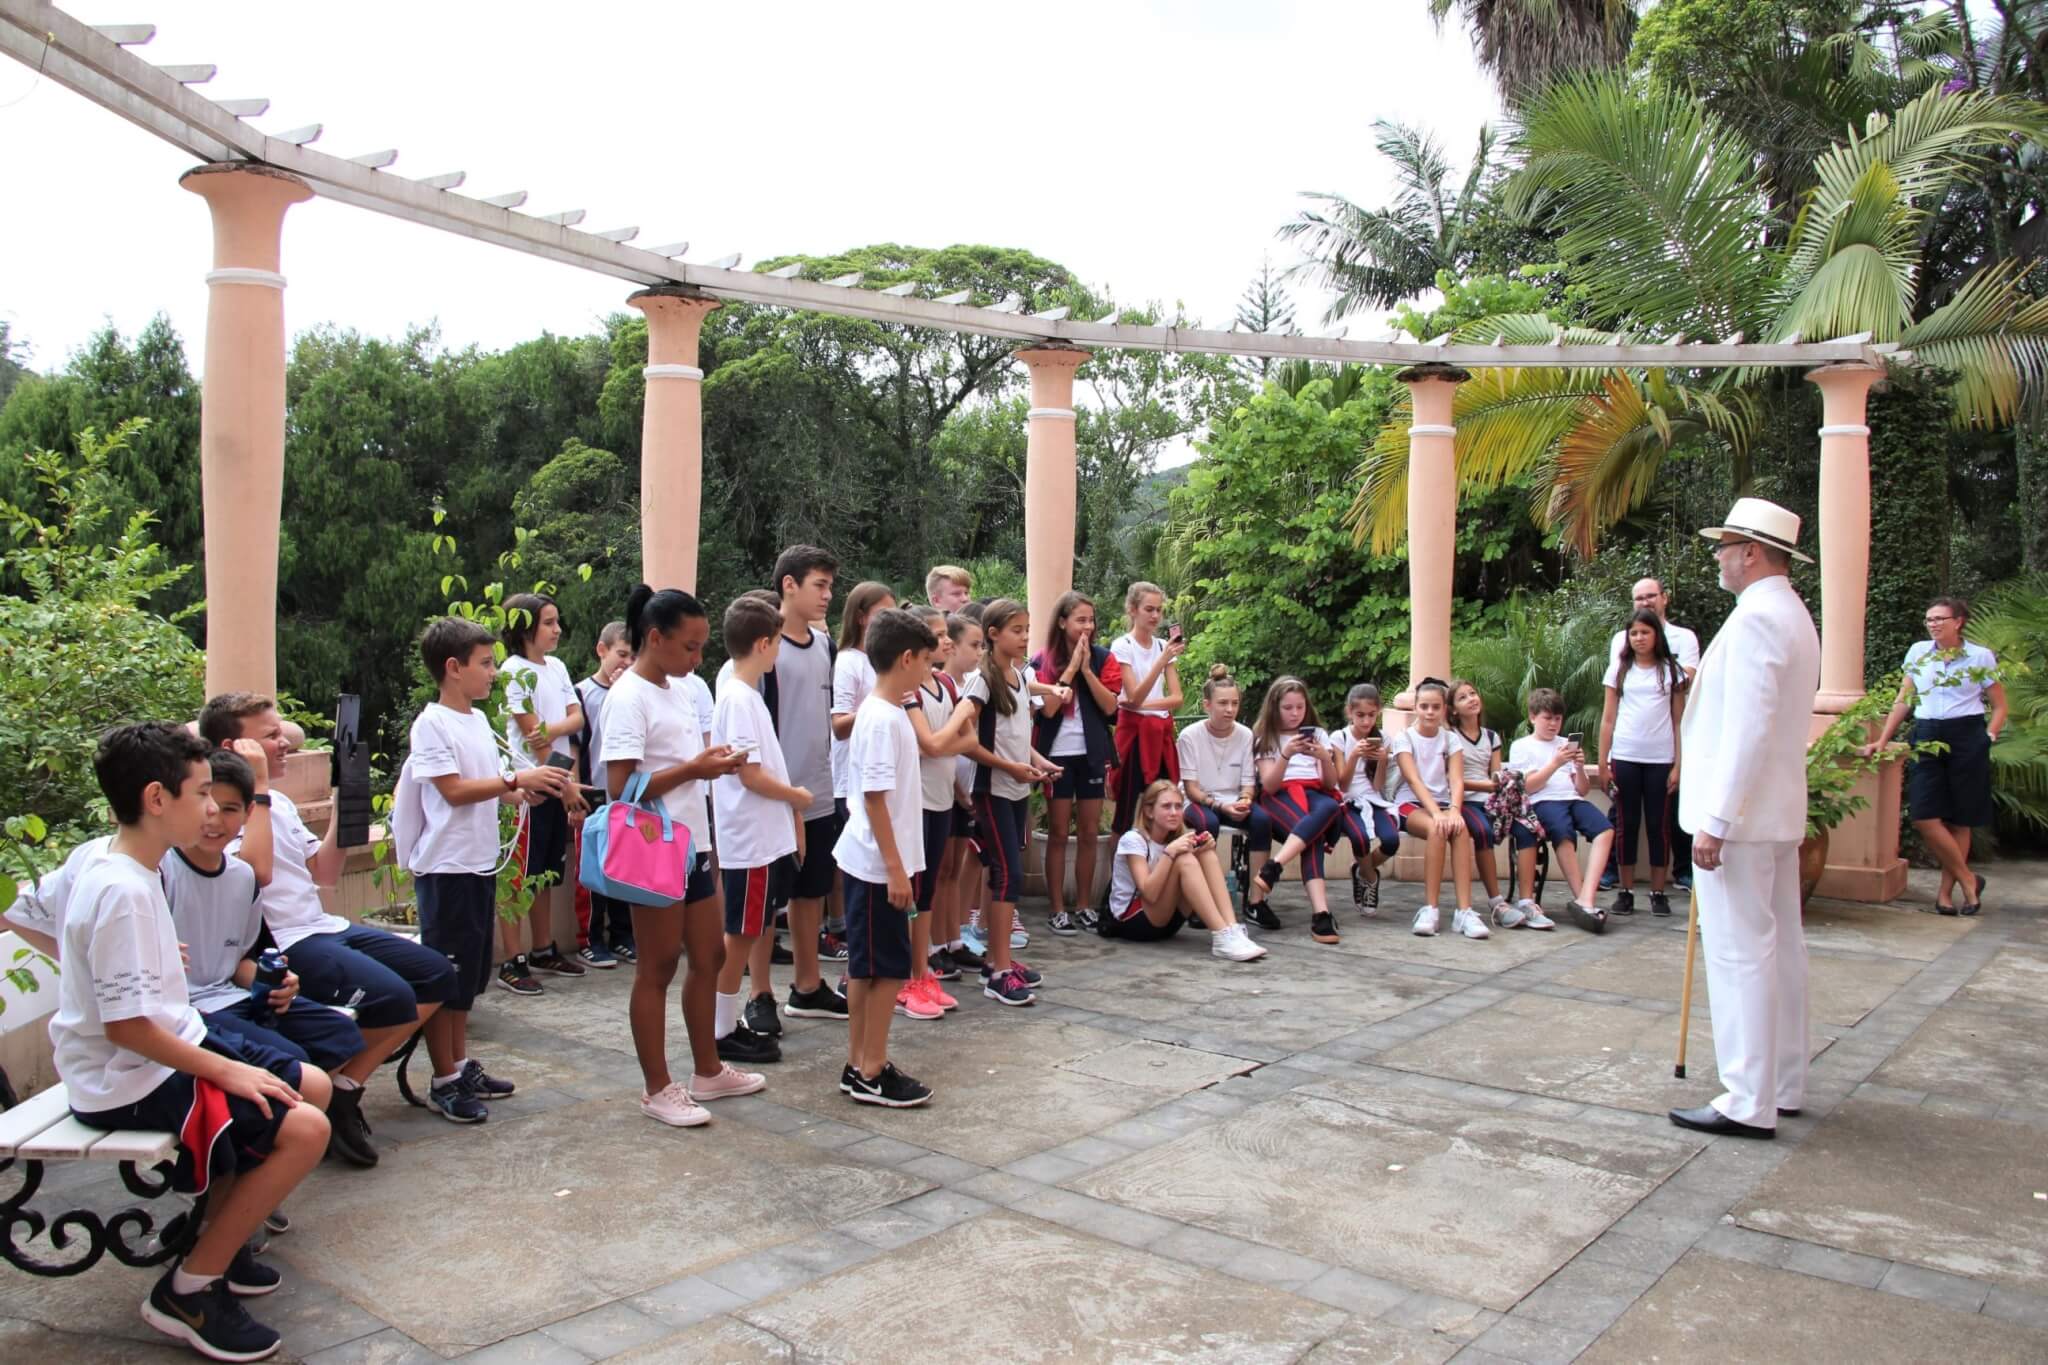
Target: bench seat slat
{"x":65,"y":1139}
{"x":134,"y":1144}
{"x":34,"y":1114}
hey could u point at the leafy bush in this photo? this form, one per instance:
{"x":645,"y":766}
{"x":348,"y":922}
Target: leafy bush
{"x":1540,"y":642}
{"x":80,"y":649}
{"x":2012,"y":622}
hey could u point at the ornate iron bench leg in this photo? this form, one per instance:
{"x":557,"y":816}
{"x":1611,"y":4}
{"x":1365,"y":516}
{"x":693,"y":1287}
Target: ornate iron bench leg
{"x":131,"y":1235}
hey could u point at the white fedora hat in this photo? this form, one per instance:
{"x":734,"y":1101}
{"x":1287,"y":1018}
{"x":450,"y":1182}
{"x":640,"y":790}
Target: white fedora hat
{"x":1763,"y":522}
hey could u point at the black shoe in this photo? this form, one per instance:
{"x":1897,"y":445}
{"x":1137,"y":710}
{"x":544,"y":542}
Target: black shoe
{"x":1790,"y":1113}
{"x":1593,"y":921}
{"x":1064,"y":925}
{"x":1660,"y":904}
{"x":967,"y":960}
{"x":514,"y":976}
{"x":891,"y":1089}
{"x":831,"y":947}
{"x":1624,"y":903}
{"x":1090,"y":919}
{"x":1322,"y":926}
{"x":248,"y":1277}
{"x":1262,"y":915}
{"x":820,"y":1002}
{"x":942,"y":964}
{"x":780,"y":954}
{"x":1708,"y":1119}
{"x":625,"y":951}
{"x":348,"y":1133}
{"x":483,"y":1084}
{"x":1365,"y":889}
{"x":762,"y":1017}
{"x":1270,"y":872}
{"x":211,"y":1322}
{"x":745,"y":1045}
{"x":551,"y":961}
{"x":1032,"y":977}
{"x":847,"y":1076}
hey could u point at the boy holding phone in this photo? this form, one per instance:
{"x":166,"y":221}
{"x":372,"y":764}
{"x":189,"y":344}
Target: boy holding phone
{"x":1555,"y":777}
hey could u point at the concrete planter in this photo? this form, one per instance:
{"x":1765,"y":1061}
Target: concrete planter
{"x":1034,"y":866}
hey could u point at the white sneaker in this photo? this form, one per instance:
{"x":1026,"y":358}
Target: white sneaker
{"x":1425,"y":921}
{"x":729,"y":1081}
{"x":1507,"y":916}
{"x":1468,"y":923}
{"x":673,"y":1106}
{"x":1019,"y":938}
{"x":1234,"y":945}
{"x":1536,"y":918}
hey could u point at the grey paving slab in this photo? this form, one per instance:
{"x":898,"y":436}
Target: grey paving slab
{"x":388,"y":1347}
{"x":1951,"y":1194}
{"x":1881,"y":930}
{"x":87,"y":1344}
{"x":1364,"y":1341}
{"x":735,"y":1189}
{"x":725,"y":1340}
{"x":1160,"y":1066}
{"x":1840,"y":990}
{"x":1991,"y":1054}
{"x":1085,"y":1300}
{"x":1360,"y":1178}
{"x":1707,"y":1308}
{"x":1391,"y":938}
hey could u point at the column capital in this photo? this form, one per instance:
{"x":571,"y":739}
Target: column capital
{"x":675,"y":317}
{"x":1054,"y":355}
{"x":248,"y":203}
{"x":1433,"y":371}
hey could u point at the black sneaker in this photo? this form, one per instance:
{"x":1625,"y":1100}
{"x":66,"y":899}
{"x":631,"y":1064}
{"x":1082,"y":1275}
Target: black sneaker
{"x":745,"y":1045}
{"x":1660,"y":904}
{"x":482,"y":1083}
{"x":248,"y":1277}
{"x":625,"y":951}
{"x":820,"y":1002}
{"x":1262,"y":915}
{"x":780,"y":954}
{"x":1322,"y":927}
{"x":1031,"y":977}
{"x":942,"y":964}
{"x":762,"y":1017}
{"x":1090,"y":920}
{"x":348,"y":1135}
{"x":456,"y":1102}
{"x":1063,"y":924}
{"x":210,"y":1321}
{"x":514,"y":976}
{"x":1008,"y":988}
{"x":847,"y":1076}
{"x":967,"y":960}
{"x":831,"y":947}
{"x":1624,"y":903}
{"x":551,"y":961}
{"x":891,"y":1088}
{"x":1270,"y":873}
{"x":1589,"y":918}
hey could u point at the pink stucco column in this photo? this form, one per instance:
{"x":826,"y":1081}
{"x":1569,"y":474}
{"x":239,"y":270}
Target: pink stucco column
{"x":1432,"y":521}
{"x":672,"y":436}
{"x":1844,"y":530}
{"x":1050,"y":489}
{"x":241,"y":419}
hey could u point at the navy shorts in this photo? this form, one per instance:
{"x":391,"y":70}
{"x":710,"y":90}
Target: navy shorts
{"x":1080,"y":779}
{"x":963,"y":826}
{"x":1477,"y":825}
{"x":241,"y":1144}
{"x":382,"y":977}
{"x":1563,"y":822}
{"x":306,"y":1032}
{"x":754,"y":894}
{"x":815,"y":873}
{"x":457,"y":910}
{"x":877,"y":934}
{"x":938,"y":827}
{"x":547,"y":840}
{"x":1954,"y":787}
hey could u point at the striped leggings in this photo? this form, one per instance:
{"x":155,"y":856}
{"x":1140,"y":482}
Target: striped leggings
{"x":1314,"y":816}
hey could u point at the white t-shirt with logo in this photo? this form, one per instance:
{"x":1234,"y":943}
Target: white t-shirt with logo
{"x":1223,"y":766}
{"x":1123,"y":888}
{"x":41,"y":907}
{"x":1530,"y":753}
{"x":935,"y":775}
{"x":1300,"y":767}
{"x":120,"y":961}
{"x":464,"y":839}
{"x":658,"y":728}
{"x":1642,"y":715}
{"x":853,"y":677}
{"x":1013,"y":733}
{"x":1363,"y":792}
{"x":1137,"y":661}
{"x":881,"y":756}
{"x":217,"y":921}
{"x":1433,"y":755}
{"x":1477,"y":755}
{"x":544,"y":690}
{"x":753,"y":830}
{"x":291,"y":902}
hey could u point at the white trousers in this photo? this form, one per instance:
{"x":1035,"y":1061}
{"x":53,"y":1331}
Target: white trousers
{"x":1756,"y":978}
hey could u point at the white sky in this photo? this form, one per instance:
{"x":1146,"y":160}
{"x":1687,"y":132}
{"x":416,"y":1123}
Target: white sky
{"x":1152,"y":148}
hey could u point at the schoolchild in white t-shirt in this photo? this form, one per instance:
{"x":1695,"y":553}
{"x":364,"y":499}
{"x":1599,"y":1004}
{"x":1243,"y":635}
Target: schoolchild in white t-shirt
{"x":608,"y":932}
{"x":1480,"y":750}
{"x":853,"y":677}
{"x":1167,"y":874}
{"x":1362,"y":765}
{"x":1298,"y":790}
{"x":1556,"y":780}
{"x":1428,"y":795}
{"x":543,"y":717}
{"x":1217,"y":772}
{"x":930,"y":708}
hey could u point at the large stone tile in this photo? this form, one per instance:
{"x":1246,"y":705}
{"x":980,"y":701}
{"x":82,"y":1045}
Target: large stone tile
{"x":1364,"y":1341}
{"x":2010,"y":980}
{"x":1882,"y":930}
{"x":1840,"y":990}
{"x":1389,"y":936}
{"x":32,"y":1343}
{"x":1006,"y":1083}
{"x":1290,"y":999}
{"x":644,"y":1205}
{"x":1159,"y":1066}
{"x":1707,"y":1308}
{"x":716,"y":1341}
{"x":1972,"y":1052}
{"x":1013,"y":1288}
{"x":1910,"y":1184}
{"x":1461,"y":1200}
{"x":1571,"y":1050}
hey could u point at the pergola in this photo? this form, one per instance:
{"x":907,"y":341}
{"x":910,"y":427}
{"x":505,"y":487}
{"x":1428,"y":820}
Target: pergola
{"x":249,"y":180}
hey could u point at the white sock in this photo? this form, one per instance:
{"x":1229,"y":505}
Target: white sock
{"x":462,"y":1066}
{"x":342,"y":1082}
{"x":728,"y":1016}
{"x":449,"y":1080}
{"x":182,"y":1283}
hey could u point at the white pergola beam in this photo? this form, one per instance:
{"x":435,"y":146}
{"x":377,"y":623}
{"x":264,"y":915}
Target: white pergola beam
{"x":376,"y":161}
{"x":786,"y":272}
{"x":448,"y":181}
{"x":300,"y":137}
{"x":255,"y":108}
{"x":198,"y":73}
{"x":46,"y":39}
{"x":624,"y":234}
{"x":127,"y":35}
{"x":670,"y":249}
{"x":505,"y":201}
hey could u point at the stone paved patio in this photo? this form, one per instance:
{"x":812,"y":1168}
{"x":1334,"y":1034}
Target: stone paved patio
{"x":1396,"y":1150}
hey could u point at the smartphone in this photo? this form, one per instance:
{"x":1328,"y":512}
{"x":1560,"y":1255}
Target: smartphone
{"x":1307,"y":732}
{"x":560,"y":761}
{"x":745,"y":746}
{"x":1175,"y":634}
{"x":1203,"y":839}
{"x":1577,"y":737}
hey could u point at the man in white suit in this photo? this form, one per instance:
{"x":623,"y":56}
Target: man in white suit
{"x":1744,"y":738}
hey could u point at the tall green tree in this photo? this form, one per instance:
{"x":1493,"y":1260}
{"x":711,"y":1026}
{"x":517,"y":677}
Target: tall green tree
{"x":1524,"y":44}
{"x":1267,"y":310}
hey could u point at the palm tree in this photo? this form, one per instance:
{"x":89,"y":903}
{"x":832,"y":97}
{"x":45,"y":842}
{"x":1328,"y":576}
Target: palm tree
{"x":1522,"y":44}
{"x":1665,"y":213}
{"x":1374,"y":258}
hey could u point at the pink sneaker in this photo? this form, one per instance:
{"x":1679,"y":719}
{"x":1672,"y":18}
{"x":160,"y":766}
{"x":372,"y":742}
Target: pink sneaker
{"x":914,"y":1003}
{"x":729,"y":1081}
{"x":673,"y":1106}
{"x":936,"y":993}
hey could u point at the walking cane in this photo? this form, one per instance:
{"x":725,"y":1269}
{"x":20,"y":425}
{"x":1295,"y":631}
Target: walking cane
{"x":1692,"y":941}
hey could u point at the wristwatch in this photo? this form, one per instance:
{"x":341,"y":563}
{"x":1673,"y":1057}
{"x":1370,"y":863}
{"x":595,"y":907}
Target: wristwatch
{"x":511,"y":782}
{"x":260,"y":799}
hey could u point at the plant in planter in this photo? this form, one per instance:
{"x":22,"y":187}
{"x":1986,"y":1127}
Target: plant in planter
{"x":1835,"y":765}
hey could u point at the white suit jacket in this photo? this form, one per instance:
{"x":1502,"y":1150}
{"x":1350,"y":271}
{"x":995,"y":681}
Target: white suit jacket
{"x":1748,"y":715}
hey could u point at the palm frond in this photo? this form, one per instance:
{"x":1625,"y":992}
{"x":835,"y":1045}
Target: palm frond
{"x":1994,"y":336}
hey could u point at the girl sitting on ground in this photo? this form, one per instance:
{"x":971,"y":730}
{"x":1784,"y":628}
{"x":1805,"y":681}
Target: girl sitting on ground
{"x":1166,"y":873}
